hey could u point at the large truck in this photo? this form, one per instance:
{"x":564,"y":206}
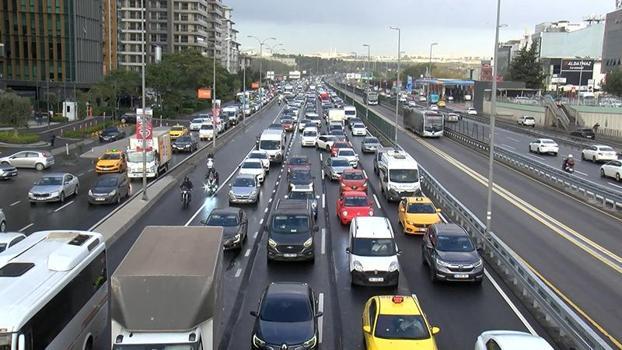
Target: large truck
{"x":336,"y":115}
{"x":425,"y":123}
{"x":158,"y":158}
{"x":165,"y":294}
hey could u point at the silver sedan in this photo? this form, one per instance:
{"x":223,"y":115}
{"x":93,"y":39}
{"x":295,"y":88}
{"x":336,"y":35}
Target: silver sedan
{"x":55,"y":187}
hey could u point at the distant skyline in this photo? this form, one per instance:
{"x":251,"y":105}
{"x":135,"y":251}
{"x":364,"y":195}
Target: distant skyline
{"x":460,"y":27}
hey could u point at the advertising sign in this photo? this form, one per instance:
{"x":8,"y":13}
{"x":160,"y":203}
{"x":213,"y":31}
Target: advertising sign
{"x":204,"y":93}
{"x":144,"y":121}
{"x":270,"y":75}
{"x":409,"y":84}
{"x":255,"y":85}
{"x":577,"y":65}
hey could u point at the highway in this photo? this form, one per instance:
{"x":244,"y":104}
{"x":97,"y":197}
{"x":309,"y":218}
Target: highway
{"x":450,"y":306}
{"x":574,"y":247}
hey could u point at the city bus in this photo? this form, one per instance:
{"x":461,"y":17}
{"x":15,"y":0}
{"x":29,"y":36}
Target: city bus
{"x":54,"y":292}
{"x":423,"y":122}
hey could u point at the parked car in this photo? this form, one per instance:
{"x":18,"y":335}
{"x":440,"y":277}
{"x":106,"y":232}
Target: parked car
{"x":612,"y":169}
{"x":29,"y":159}
{"x":599,"y":153}
{"x":542,"y":146}
{"x":244,"y":189}
{"x":9,"y":239}
{"x":527,"y":121}
{"x":234,"y":224}
{"x":585,"y":133}
{"x":111,"y":134}
{"x":186,"y":143}
{"x":109,"y":188}
{"x":55,"y":187}
{"x":451,"y":255}
{"x":510,"y":340}
{"x":7,"y":171}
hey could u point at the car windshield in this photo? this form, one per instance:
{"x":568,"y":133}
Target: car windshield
{"x":373,"y":247}
{"x":135,"y":157}
{"x":358,"y":126}
{"x":421,"y":208}
{"x":50,"y":181}
{"x":371,"y":141}
{"x":252,"y":165}
{"x":290,"y":224}
{"x":197,"y":120}
{"x":350,"y":112}
{"x":111,"y":156}
{"x":355,"y":201}
{"x":606,"y":149}
{"x":110,"y":181}
{"x":286,"y":308}
{"x":340,"y":163}
{"x":300,"y":175}
{"x":401,"y":327}
{"x":551,"y":142}
{"x":258,"y":156}
{"x":222,"y":220}
{"x":353,"y":175}
{"x":341,"y":145}
{"x":301,"y":195}
{"x":110,"y":130}
{"x":309,"y":133}
{"x":454,"y":244}
{"x":337,"y":132}
{"x":298,"y":161}
{"x":269,"y":144}
{"x":207,"y":127}
{"x":243,"y":182}
{"x":177,"y":128}
{"x":403,"y":175}
{"x":184,"y":139}
{"x":346,"y":153}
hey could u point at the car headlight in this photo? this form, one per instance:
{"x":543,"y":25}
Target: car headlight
{"x":344,"y":213}
{"x":54,"y":194}
{"x":311,"y":342}
{"x":343,"y":184}
{"x":357,"y":266}
{"x":394,"y":266}
{"x":112,"y":193}
{"x":478,"y":263}
{"x":231,"y":194}
{"x":308,"y":242}
{"x":30,"y":194}
{"x":440,"y":262}
{"x":257,"y":341}
{"x":371,"y":213}
{"x":272,"y":243}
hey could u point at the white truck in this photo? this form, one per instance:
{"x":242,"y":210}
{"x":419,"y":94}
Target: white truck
{"x":399,"y":175}
{"x":232,"y":113}
{"x":158,"y":158}
{"x":350,"y":112}
{"x":165,"y":293}
{"x":336,"y":115}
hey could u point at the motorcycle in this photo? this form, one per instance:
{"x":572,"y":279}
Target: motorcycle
{"x":211,"y":186}
{"x":568,"y":166}
{"x":185,"y":198}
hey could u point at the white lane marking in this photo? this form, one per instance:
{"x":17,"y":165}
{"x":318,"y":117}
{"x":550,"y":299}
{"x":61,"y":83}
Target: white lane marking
{"x":261,"y":221}
{"x":321,"y":159}
{"x":320,"y":320}
{"x":248,"y":252}
{"x":266,"y":210}
{"x":377,"y":202}
{"x":581,"y":173}
{"x":276,"y":184}
{"x":507,"y":146}
{"x":80,"y":174}
{"x":270,"y":200}
{"x":510,"y":303}
{"x":322,"y":175}
{"x":26,"y":227}
{"x":255,"y":234}
{"x":513,"y":139}
{"x":91,"y":170}
{"x":323,"y":250}
{"x":612,"y":184}
{"x":365,"y":173}
{"x":323,"y":201}
{"x":63,"y":206}
{"x":14,"y":203}
{"x":238,"y":272}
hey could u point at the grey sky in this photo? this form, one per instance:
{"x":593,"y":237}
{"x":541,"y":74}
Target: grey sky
{"x":461,"y":27}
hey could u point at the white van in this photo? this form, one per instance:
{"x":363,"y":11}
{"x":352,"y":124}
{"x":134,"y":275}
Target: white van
{"x":399,"y":175}
{"x":373,"y":252}
{"x":232,"y":114}
{"x":350,"y":112}
{"x":272,"y":142}
{"x":309,"y":137}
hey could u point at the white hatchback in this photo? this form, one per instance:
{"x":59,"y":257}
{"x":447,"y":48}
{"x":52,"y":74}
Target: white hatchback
{"x":359,"y":129}
{"x":253,"y":167}
{"x":309,"y":137}
{"x":350,"y":155}
{"x":599,"y":153}
{"x":263,"y":156}
{"x":206,"y":132}
{"x":195,"y":124}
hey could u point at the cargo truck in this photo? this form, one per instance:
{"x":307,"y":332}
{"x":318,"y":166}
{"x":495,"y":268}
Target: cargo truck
{"x":336,"y":115}
{"x":158,"y":158}
{"x":165,"y":293}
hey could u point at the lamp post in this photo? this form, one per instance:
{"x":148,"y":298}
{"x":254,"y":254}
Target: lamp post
{"x":493,"y":112}
{"x":143,"y":117}
{"x":214,"y":109}
{"x":399,"y":84}
{"x":430,"y":62}
{"x":366,"y":67}
{"x":261,"y":44}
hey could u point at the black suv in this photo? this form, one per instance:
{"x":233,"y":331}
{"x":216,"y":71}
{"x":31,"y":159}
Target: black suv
{"x":111,"y":134}
{"x":585,"y":133}
{"x":451,"y":255}
{"x":290,"y":231}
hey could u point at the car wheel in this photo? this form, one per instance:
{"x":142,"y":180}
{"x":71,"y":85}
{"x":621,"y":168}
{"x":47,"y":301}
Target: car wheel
{"x":594,"y":159}
{"x":582,"y":156}
{"x":62,"y":197}
{"x":3,"y":226}
{"x":432,"y":272}
{"x":602,"y":173}
{"x":539,"y":150}
{"x":76,"y":190}
{"x":618,"y":177}
{"x":39,"y":166}
{"x":118,"y":199}
{"x":5,"y":163}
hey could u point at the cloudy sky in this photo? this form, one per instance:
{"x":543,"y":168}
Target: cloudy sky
{"x":461,"y":27}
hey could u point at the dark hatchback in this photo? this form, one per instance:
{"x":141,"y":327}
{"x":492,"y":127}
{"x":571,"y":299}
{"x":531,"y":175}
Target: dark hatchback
{"x":234,"y":224}
{"x":286,"y":318}
{"x":7,"y":171}
{"x":111,"y":134}
{"x":290,"y":231}
{"x":186,"y":143}
{"x":300,"y":178}
{"x":451,"y":255}
{"x":109,"y":188}
{"x":585,"y":133}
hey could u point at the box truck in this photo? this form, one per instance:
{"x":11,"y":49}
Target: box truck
{"x":158,"y":158}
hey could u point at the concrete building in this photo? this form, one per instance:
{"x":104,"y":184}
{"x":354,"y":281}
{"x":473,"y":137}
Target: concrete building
{"x":232,"y":46}
{"x":47,"y":48}
{"x":110,"y":35}
{"x":612,"y":43}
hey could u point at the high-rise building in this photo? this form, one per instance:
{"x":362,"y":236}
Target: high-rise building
{"x":53,"y":45}
{"x":232,"y":47}
{"x":110,"y":35}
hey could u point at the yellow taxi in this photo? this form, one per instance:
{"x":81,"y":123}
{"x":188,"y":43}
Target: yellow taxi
{"x":396,"y":322}
{"x":416,"y":214}
{"x":441,"y":103}
{"x":178,"y":131}
{"x":112,"y":161}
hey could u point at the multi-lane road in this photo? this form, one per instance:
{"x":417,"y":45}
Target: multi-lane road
{"x":574,"y":248}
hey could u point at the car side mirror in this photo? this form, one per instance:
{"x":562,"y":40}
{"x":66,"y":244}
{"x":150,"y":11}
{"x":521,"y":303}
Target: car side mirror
{"x":254,"y":313}
{"x":367,"y":329}
{"x":230,"y":185}
{"x":435,"y":330}
{"x":398,"y":253}
{"x":319,"y":314}
{"x":402,"y":209}
{"x":348,"y":250}
{"x":438,"y":210}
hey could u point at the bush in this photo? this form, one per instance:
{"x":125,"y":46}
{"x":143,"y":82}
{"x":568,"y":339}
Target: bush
{"x":82,"y":133}
{"x":59,"y":119}
{"x":17,"y":138}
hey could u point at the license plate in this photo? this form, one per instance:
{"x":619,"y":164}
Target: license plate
{"x":461,"y":276}
{"x":288,"y":255}
{"x":100,"y":199}
{"x":376,"y":279}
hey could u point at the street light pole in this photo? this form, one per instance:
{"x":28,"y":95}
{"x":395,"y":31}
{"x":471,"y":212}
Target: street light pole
{"x":143,"y":128}
{"x":261,"y":43}
{"x":399,"y":84}
{"x":493,"y":112}
{"x":430,"y":62}
{"x":366,"y":65}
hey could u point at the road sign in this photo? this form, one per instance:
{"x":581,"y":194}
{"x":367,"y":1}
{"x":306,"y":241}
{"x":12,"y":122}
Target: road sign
{"x":558,"y":80}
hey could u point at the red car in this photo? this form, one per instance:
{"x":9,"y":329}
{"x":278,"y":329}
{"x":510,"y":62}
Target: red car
{"x":287,"y":124}
{"x":337,"y":145}
{"x":352,"y":204}
{"x":353,"y":180}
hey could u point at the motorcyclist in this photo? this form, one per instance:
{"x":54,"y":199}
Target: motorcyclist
{"x":187,"y":185}
{"x":212,"y":174}
{"x":568,"y":163}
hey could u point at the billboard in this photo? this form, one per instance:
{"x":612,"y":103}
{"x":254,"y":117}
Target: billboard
{"x":270,"y":75}
{"x":294,"y":74}
{"x":577,"y":71}
{"x":204,"y":93}
{"x":577,"y":65}
{"x":144,"y":122}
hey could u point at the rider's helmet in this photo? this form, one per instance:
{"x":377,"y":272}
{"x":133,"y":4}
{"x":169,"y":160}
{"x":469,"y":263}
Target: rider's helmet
{"x":570,"y":156}
{"x":186,"y":179}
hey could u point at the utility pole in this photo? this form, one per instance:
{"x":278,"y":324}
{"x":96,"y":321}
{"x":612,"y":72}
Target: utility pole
{"x":399,"y":83}
{"x":261,"y":43}
{"x":143,"y":128}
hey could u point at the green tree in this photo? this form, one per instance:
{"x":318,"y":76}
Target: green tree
{"x":526,"y":68}
{"x":613,"y":83}
{"x":14,"y":110}
{"x":105,"y":96}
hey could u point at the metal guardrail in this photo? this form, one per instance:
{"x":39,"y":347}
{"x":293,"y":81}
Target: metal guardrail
{"x":588,"y":191}
{"x":554,"y":314}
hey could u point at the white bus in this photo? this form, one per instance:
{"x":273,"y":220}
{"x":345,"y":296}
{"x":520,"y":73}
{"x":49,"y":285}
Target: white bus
{"x":424,"y":123}
{"x":54,"y":292}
